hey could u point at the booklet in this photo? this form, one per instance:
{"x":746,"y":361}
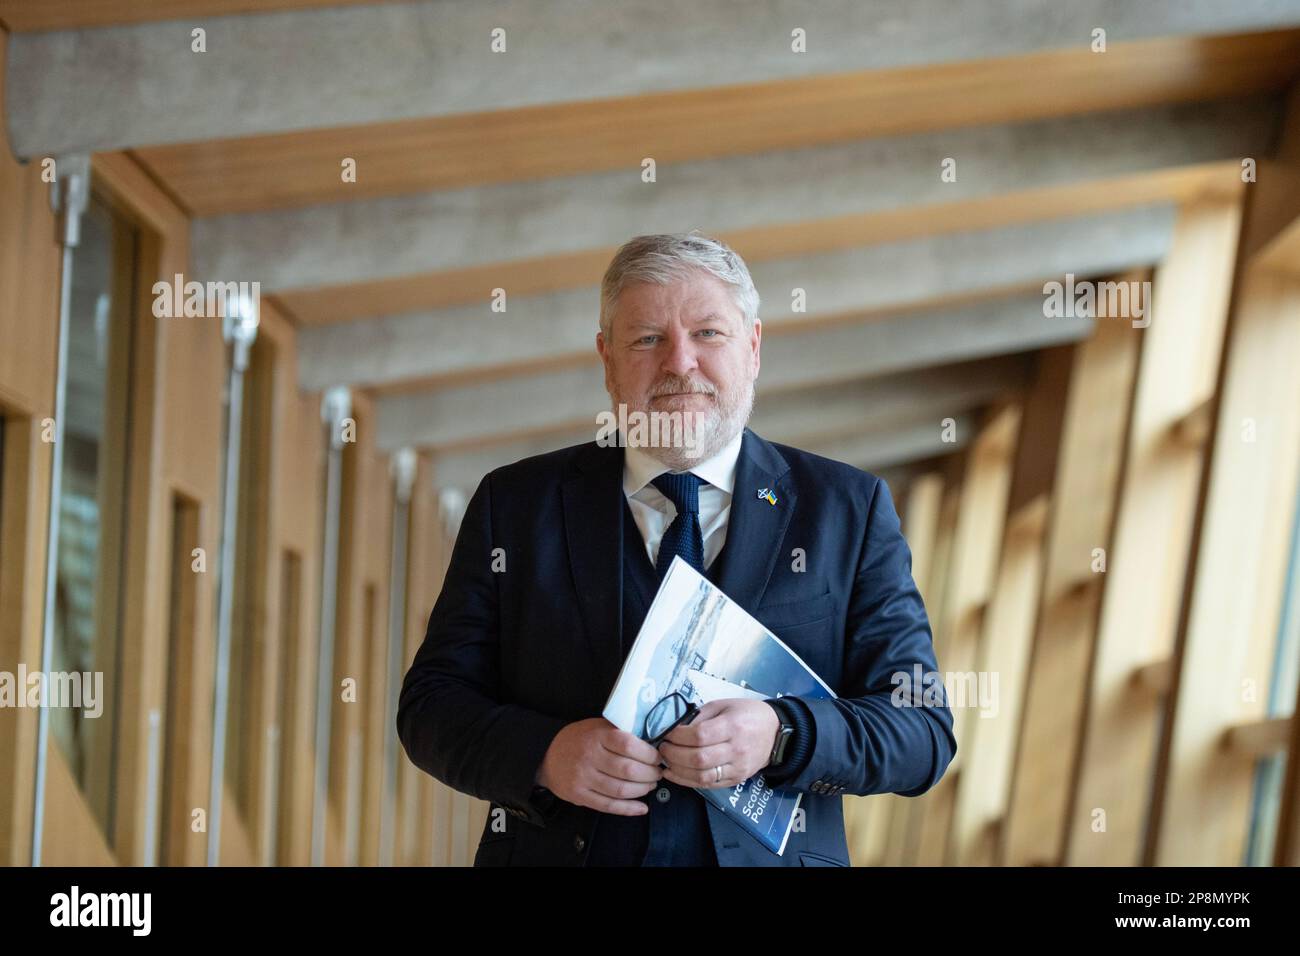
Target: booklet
{"x":697,"y":645}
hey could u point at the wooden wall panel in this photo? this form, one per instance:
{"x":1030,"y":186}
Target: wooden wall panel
{"x":176,"y":447}
{"x":365,"y":519}
{"x":284,"y":705}
{"x":72,"y":836}
{"x":29,"y":280}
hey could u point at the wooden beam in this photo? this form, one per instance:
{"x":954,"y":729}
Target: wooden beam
{"x":394,"y":237}
{"x":212,"y":177}
{"x":894,"y":289}
{"x":553,"y":272}
{"x":437,"y":59}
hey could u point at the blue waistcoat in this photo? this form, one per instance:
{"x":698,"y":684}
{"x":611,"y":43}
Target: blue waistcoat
{"x":676,"y":830}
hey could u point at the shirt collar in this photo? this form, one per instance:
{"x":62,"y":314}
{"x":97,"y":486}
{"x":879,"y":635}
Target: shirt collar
{"x":639,"y":469}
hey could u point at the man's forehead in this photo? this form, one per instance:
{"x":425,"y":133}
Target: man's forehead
{"x":694,"y":299}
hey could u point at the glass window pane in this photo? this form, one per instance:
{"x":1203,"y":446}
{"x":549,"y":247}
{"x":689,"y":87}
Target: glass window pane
{"x":1270,"y":773}
{"x":249,"y":628}
{"x":93,"y":501}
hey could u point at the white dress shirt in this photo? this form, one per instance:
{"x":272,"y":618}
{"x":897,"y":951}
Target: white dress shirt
{"x":654,"y":511}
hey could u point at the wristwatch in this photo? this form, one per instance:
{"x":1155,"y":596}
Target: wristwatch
{"x":784,"y":735}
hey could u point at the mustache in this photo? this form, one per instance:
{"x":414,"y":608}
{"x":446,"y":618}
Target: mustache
{"x":674,"y":385}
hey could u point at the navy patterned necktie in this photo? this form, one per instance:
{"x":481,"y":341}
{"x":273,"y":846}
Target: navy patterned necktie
{"x":683,"y":536}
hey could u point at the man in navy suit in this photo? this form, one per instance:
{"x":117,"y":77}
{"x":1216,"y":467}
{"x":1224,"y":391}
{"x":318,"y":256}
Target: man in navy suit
{"x":559,"y":556}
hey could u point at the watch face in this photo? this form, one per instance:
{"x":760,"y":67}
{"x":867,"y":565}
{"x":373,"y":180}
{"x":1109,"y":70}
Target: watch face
{"x":781,"y":741}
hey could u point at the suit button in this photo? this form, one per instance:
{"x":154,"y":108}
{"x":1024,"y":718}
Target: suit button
{"x":663,"y":795}
{"x":579,"y":843}
{"x":817,"y":786}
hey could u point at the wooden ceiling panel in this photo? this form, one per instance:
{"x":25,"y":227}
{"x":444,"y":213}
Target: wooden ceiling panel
{"x":305,"y":168}
{"x":434,"y":290}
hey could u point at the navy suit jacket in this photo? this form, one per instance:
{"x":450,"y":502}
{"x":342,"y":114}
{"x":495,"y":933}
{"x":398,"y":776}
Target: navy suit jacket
{"x":513,"y":655}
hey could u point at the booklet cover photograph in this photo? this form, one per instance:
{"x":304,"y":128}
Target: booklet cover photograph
{"x":697,"y":645}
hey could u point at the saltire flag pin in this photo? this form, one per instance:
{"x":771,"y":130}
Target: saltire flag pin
{"x":767,"y":495}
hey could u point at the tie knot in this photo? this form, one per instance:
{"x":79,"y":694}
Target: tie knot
{"x":682,"y":490}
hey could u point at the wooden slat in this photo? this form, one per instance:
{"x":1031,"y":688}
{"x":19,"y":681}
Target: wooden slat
{"x":1148,"y":561}
{"x":304,"y":168}
{"x":981,"y":519}
{"x":1228,"y":653}
{"x":1086,"y":482}
{"x":31,"y":15}
{"x":1006,"y":638}
{"x":903,"y":839}
{"x":868,"y":820}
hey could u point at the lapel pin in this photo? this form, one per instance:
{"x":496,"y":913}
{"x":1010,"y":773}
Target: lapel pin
{"x":767,"y":495}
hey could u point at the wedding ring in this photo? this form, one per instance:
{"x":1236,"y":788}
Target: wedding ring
{"x":718,"y":771}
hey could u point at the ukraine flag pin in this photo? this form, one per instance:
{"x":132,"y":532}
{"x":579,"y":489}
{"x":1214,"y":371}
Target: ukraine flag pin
{"x":767,"y":495}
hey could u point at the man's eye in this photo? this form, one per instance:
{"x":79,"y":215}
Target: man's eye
{"x":712,"y":331}
{"x":647,"y":339}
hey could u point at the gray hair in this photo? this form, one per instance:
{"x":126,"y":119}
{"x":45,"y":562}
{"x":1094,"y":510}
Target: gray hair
{"x":667,"y":258}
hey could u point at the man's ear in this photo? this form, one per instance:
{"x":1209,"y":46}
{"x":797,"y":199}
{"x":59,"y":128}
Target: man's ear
{"x":756,"y":341}
{"x":602,"y":349}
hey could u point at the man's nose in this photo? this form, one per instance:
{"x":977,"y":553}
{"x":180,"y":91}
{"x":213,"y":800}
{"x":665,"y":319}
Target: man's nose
{"x":681,"y":358}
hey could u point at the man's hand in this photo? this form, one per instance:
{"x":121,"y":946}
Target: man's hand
{"x":592,"y":763}
{"x":736,"y":735}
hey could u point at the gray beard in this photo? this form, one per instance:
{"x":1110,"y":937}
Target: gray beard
{"x":708,"y":441}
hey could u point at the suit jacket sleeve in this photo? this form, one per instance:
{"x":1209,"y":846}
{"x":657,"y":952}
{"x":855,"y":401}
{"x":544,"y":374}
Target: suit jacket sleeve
{"x":450,"y":718}
{"x":865,"y":741}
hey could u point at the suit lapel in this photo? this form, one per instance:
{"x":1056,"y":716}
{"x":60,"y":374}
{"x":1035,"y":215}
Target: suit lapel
{"x":755,"y":527}
{"x":593,"y":527}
